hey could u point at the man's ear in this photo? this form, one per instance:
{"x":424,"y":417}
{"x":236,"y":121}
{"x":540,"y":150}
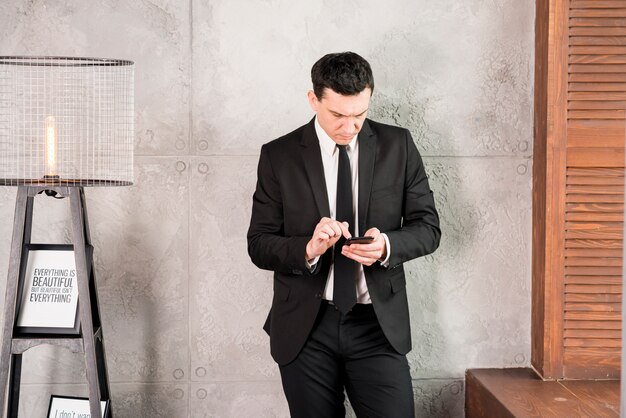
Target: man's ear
{"x":313,"y":102}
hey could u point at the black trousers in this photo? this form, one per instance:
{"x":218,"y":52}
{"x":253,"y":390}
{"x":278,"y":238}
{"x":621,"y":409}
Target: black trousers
{"x":348,"y":351}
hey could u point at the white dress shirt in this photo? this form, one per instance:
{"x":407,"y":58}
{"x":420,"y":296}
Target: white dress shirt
{"x":330,"y":161}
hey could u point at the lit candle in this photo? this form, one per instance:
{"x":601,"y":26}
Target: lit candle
{"x":51,"y":147}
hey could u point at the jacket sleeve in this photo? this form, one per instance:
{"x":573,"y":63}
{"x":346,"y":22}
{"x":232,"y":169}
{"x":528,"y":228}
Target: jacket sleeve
{"x":419,"y":234}
{"x":268,"y":248}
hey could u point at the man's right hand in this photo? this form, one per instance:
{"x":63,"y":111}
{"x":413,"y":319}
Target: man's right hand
{"x":327,"y":233}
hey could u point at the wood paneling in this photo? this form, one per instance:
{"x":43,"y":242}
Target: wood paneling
{"x":598,"y":50}
{"x":541,"y":340}
{"x":593,"y":325}
{"x":591,"y":333}
{"x":595,"y":199}
{"x":598,"y":280}
{"x":598,"y":40}
{"x":598,"y":22}
{"x":594,"y":262}
{"x":602,"y":362}
{"x":593,"y":252}
{"x":591,"y":105}
{"x":593,"y":316}
{"x":597,"y":4}
{"x":596,"y":114}
{"x":581,"y":188}
{"x":590,"y":68}
{"x":595,"y":157}
{"x":585,"y":95}
{"x":549,"y":161}
{"x":597,"y":12}
{"x":587,"y":243}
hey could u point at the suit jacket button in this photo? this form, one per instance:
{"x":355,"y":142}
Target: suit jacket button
{"x":318,"y":295}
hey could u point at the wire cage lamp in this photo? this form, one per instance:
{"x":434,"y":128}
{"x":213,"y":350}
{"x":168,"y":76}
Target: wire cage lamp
{"x":66,"y":121}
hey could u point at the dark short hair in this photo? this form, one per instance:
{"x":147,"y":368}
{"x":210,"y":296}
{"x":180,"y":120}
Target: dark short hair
{"x":345,"y":73}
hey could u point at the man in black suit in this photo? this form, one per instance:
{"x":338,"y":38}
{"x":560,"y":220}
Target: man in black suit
{"x":339,"y":317}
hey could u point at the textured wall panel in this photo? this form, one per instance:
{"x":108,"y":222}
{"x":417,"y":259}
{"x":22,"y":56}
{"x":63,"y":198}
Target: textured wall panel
{"x":470,"y":301}
{"x":140,"y":235}
{"x":438,"y":398}
{"x":242,"y":399}
{"x":158,"y":400}
{"x":458,"y":74}
{"x":153,"y":33}
{"x":229,"y":296}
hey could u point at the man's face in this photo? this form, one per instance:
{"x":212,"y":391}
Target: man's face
{"x":341,"y":116}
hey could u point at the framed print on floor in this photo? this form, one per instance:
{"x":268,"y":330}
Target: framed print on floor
{"x":71,"y":407}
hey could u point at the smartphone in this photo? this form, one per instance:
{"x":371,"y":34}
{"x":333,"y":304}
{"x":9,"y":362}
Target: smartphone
{"x":359,"y":240}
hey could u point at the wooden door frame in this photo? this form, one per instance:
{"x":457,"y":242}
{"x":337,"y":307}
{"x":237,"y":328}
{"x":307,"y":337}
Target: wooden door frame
{"x":549,"y":177}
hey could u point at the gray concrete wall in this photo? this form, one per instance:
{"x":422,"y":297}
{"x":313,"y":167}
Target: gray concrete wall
{"x":182,"y":305}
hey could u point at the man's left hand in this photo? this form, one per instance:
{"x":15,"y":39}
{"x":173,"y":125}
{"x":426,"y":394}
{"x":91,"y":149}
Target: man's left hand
{"x":367,"y":254}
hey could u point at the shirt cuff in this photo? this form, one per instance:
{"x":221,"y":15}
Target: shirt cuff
{"x":313,"y":263}
{"x":385,"y":262}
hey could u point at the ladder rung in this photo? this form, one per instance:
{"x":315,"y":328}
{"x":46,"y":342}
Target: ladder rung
{"x":20,"y":345}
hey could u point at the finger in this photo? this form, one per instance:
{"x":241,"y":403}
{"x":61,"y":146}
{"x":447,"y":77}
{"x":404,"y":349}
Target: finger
{"x":373,"y":232}
{"x":368,"y":261}
{"x":324,"y":221}
{"x":365,"y":249}
{"x":328,"y":229}
{"x":323,"y":236}
{"x":375,"y":255}
{"x":335,"y":226}
{"x":345,"y":229}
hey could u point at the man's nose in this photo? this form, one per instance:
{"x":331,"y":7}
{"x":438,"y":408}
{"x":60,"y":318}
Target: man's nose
{"x":350,"y":125}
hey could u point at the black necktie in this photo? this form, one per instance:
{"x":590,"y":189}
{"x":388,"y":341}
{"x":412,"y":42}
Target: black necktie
{"x":344,"y":290}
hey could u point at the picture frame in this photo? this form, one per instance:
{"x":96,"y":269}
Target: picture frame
{"x":73,"y":407}
{"x":48,"y":291}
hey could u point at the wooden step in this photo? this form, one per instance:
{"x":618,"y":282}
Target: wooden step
{"x":522,"y":393}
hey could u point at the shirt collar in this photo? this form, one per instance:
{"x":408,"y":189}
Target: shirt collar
{"x":326,"y":143}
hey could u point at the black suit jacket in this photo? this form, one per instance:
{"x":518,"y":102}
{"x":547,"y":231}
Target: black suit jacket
{"x":291,"y":198}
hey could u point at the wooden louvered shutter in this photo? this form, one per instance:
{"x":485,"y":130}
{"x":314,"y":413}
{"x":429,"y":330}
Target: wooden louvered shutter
{"x":578,"y":197}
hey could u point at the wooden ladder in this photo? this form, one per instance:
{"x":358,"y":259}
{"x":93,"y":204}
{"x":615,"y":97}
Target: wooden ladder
{"x":90,"y":340}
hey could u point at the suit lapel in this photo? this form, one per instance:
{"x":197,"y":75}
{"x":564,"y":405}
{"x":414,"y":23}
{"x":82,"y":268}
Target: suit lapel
{"x":367,"y":159}
{"x":312,"y":157}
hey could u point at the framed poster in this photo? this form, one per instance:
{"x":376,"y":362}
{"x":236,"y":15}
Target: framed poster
{"x":48,"y":291}
{"x":70,"y":407}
